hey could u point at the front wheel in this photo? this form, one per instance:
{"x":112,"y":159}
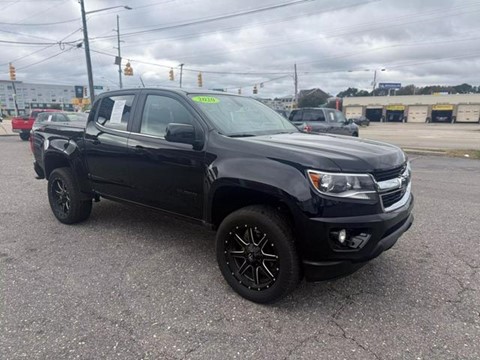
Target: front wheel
{"x":68,"y":204}
{"x":24,"y":136}
{"x":257,"y":255}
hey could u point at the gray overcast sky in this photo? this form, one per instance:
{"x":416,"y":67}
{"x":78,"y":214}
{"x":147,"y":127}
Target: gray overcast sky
{"x":423,"y":42}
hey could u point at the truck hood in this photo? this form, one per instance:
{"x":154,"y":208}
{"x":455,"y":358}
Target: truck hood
{"x":349,"y":154}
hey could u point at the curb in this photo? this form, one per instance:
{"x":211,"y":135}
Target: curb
{"x":425,"y":152}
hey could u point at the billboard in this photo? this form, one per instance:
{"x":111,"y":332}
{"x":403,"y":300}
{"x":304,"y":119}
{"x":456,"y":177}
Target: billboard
{"x":395,"y":86}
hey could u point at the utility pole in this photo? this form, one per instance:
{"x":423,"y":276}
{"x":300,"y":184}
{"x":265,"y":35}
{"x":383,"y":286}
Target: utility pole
{"x":119,"y":53}
{"x":295,"y":81}
{"x":181,"y":74}
{"x":87,"y":53}
{"x":374,"y":82}
{"x":14,"y":95}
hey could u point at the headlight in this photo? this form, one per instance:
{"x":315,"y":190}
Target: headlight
{"x":352,"y":186}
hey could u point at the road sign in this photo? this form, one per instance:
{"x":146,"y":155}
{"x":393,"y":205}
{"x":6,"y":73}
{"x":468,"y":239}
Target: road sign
{"x":395,"y":86}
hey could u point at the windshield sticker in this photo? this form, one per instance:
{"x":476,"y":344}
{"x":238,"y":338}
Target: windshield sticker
{"x":206,"y":99}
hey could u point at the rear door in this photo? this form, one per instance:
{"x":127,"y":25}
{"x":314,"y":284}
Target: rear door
{"x":315,"y":119}
{"x":106,"y":149}
{"x":163,"y":174}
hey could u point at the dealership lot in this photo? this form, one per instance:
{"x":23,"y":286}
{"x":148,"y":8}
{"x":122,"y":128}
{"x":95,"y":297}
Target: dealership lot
{"x":131,"y":283}
{"x":425,"y":136}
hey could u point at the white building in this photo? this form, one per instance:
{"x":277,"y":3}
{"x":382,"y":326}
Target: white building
{"x":415,"y":108}
{"x":32,"y":96}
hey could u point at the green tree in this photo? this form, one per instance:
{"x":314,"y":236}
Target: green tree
{"x":313,"y":99}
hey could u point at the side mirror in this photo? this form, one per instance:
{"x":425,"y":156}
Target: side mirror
{"x":180,"y":133}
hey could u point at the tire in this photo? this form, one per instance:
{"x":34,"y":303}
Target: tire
{"x":355,"y":134}
{"x":24,"y":136}
{"x":263,"y":270}
{"x":68,"y":204}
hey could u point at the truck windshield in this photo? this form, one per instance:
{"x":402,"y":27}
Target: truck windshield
{"x":241,"y":116}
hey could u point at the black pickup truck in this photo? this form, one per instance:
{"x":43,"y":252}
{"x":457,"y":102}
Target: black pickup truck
{"x":285,"y":204}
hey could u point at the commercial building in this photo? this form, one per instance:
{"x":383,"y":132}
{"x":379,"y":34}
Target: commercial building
{"x":17,"y":96}
{"x":415,"y":108}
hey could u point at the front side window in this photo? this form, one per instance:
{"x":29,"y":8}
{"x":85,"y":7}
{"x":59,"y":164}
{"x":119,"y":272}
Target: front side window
{"x":115,"y":111}
{"x":159,"y":111}
{"x":241,"y":116}
{"x":336,"y":116}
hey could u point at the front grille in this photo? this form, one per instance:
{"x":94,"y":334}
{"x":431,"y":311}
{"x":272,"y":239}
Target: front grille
{"x":382,"y":175}
{"x":391,"y":198}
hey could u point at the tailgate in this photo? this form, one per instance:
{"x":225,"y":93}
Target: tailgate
{"x":21,"y":124}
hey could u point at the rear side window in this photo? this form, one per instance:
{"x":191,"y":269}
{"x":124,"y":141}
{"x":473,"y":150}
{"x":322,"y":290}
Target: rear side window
{"x":115,"y":111}
{"x":313,"y":115}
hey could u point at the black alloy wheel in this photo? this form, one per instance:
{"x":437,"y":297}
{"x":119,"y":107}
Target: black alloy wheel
{"x":68,"y":203}
{"x":62,"y":197}
{"x":257,"y":255}
{"x":251,"y":257}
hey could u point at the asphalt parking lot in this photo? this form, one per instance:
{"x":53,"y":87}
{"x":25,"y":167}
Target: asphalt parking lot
{"x":134,"y":284}
{"x":425,"y":136}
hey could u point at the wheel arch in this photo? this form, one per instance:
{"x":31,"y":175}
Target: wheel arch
{"x":231,"y":197}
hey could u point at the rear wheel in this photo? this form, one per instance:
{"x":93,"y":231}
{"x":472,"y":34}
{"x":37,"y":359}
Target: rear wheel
{"x":24,"y":136}
{"x":68,"y":204}
{"x":355,"y":134}
{"x":257,"y":255}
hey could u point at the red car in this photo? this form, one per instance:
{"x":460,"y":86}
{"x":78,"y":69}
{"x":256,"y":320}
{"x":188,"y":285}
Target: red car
{"x":23,"y":124}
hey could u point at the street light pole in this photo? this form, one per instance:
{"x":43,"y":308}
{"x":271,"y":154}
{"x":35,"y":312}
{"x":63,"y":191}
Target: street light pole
{"x":375,"y":80}
{"x":87,"y":53}
{"x":87,"y":45}
{"x":119,"y":53}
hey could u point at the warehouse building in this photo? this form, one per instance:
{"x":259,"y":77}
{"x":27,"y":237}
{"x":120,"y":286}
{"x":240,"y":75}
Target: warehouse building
{"x":415,"y":108}
{"x":17,"y":96}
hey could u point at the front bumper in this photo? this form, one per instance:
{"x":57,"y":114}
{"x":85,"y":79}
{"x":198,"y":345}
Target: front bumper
{"x":325,"y":261}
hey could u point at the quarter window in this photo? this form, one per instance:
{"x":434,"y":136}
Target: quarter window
{"x":115,"y":111}
{"x":159,"y":111}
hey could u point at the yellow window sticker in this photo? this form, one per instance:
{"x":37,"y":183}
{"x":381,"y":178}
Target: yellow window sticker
{"x":206,"y":99}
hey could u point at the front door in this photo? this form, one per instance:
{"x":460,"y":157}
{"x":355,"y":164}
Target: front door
{"x":166,"y":175}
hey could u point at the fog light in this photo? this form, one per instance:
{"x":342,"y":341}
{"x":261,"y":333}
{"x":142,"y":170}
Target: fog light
{"x":342,"y":236}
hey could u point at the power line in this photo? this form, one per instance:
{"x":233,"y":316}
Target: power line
{"x":46,"y":59}
{"x":211,"y":19}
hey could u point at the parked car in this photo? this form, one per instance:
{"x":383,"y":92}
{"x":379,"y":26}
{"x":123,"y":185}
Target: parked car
{"x":323,"y":120}
{"x":45,"y":118}
{"x":23,"y":124}
{"x":361,"y":121}
{"x":285,"y":204}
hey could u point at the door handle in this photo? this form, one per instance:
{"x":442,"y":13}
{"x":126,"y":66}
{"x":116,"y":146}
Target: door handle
{"x":139,"y":148}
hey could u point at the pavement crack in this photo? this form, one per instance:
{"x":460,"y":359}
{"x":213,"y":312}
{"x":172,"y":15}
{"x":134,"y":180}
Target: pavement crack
{"x":301,"y":344}
{"x":351,"y":338}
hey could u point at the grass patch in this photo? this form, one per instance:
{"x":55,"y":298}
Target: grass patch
{"x":471,"y":154}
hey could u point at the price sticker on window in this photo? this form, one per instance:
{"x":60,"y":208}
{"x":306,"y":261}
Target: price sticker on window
{"x":206,"y":99}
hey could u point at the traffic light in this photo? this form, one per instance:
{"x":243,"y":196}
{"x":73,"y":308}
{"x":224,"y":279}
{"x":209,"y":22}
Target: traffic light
{"x":200,"y":80}
{"x":11,"y":69}
{"x":128,"y":71}
{"x":255,"y":90}
{"x":171,"y":76}
{"x":85,"y":92}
